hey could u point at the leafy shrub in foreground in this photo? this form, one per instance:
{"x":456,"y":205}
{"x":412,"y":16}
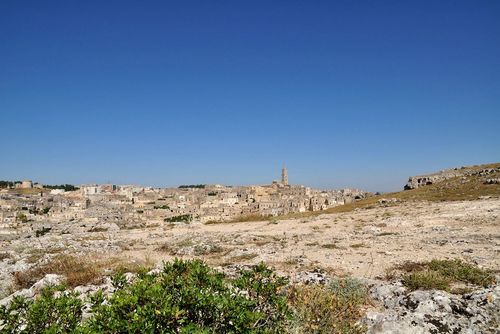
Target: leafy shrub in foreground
{"x":186,"y":297}
{"x":46,"y":314}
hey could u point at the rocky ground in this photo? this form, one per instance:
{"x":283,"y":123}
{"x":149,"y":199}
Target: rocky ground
{"x":364,"y":243}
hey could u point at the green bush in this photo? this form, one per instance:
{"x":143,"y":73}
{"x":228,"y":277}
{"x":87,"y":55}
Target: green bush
{"x":180,"y":219}
{"x":186,"y":297}
{"x":46,"y":314}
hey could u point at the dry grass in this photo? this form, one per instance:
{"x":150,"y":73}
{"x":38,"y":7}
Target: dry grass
{"x":241,"y":258}
{"x":173,"y":248}
{"x":79,"y":270}
{"x":262,"y":241}
{"x":120,"y":265}
{"x":330,"y":246}
{"x":311,"y":244}
{"x":208,"y":249}
{"x":440,"y":274}
{"x":328,"y":309}
{"x":291,"y":261}
{"x":383,"y":234}
{"x":34,"y":257}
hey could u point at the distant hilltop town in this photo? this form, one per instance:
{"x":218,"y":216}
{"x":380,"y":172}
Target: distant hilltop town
{"x":136,"y":205}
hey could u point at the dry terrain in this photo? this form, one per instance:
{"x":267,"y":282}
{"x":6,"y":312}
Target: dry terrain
{"x":361,"y":243}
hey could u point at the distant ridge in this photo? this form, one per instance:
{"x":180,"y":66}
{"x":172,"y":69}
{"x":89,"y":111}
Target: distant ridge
{"x":465,"y":183}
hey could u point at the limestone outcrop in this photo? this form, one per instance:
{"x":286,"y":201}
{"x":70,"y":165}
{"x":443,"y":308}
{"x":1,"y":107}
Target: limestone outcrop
{"x":432,"y":311}
{"x":415,"y":182}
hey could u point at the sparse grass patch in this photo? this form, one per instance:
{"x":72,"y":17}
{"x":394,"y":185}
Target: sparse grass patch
{"x":119,"y":265}
{"x":382,"y":234}
{"x":185,"y":243}
{"x":440,"y":274}
{"x":241,"y":258}
{"x":463,"y":271}
{"x":94,"y":237}
{"x":460,"y":290}
{"x":99,"y":229}
{"x":292,"y":261}
{"x":78,"y":271}
{"x":273,"y":220}
{"x":264,"y":240}
{"x":310,"y":244}
{"x":330,"y":246}
{"x":410,"y":266}
{"x":34,"y":257}
{"x":214,"y":222}
{"x":426,"y":280}
{"x":331,"y":309}
{"x":207,"y":249}
{"x":166,"y":248}
{"x":349,"y":289}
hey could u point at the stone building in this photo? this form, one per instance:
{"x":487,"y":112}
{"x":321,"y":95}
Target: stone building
{"x":284,"y":176}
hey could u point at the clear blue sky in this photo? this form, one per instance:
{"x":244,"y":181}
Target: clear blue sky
{"x":346,"y":93}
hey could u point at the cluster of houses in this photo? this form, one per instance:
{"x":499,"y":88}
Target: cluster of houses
{"x":135,"y":205}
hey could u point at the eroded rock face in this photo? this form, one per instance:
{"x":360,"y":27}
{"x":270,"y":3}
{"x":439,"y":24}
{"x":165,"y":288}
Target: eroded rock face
{"x":433,"y":311}
{"x":415,"y":182}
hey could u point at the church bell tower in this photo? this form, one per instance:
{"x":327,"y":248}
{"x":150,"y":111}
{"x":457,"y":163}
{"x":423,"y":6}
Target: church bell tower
{"x":284,"y":176}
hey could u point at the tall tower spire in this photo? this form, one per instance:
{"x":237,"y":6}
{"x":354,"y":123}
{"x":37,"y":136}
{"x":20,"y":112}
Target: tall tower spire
{"x":284,"y":176}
